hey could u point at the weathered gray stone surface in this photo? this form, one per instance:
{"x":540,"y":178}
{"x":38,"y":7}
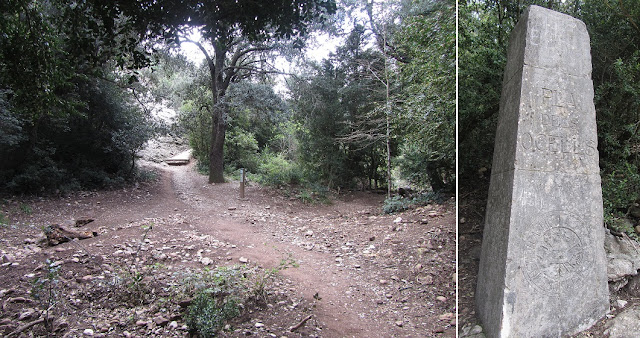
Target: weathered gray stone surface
{"x":625,"y":325}
{"x":543,"y":269}
{"x":623,"y":258}
{"x":623,"y":255}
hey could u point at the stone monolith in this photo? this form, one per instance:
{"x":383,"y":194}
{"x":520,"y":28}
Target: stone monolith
{"x":543,"y":269}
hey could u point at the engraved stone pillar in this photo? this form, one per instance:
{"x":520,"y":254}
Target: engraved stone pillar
{"x":543,"y":266}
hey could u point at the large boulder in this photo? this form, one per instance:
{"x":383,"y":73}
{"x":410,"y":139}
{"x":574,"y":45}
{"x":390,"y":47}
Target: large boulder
{"x":625,"y":325}
{"x":623,"y":256}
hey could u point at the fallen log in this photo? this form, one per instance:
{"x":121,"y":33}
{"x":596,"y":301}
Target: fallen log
{"x":57,"y":234}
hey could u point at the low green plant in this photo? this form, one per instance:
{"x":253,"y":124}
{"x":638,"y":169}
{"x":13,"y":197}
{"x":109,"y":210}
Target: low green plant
{"x":262,"y":280}
{"x":313,"y":194}
{"x":222,"y":280}
{"x":221,"y":294}
{"x":130,"y":282}
{"x":306,"y":196}
{"x":44,"y":290}
{"x":620,"y":189}
{"x":395,"y":204}
{"x":207,"y":313}
{"x":399,"y":203}
{"x":621,"y":225}
{"x":217,"y":297}
{"x":25,"y":208}
{"x":3,"y":219}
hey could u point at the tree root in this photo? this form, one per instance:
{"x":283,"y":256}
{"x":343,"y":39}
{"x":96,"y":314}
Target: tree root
{"x":25,"y":327}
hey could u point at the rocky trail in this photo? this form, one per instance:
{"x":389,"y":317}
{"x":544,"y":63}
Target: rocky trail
{"x":337,"y":270}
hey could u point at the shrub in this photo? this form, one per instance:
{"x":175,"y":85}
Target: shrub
{"x":276,"y":170}
{"x":399,"y":203}
{"x":207,"y":314}
{"x":223,"y":293}
{"x":620,"y":188}
{"x":241,"y":150}
{"x":90,"y":148}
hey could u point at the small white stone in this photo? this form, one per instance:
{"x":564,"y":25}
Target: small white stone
{"x":88,"y":332}
{"x":243,"y":260}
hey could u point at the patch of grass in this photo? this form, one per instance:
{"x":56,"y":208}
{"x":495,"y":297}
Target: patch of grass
{"x":4,"y":221}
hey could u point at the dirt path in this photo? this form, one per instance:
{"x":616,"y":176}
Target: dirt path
{"x":311,"y":277}
{"x":359,"y":274}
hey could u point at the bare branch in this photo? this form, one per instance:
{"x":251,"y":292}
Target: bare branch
{"x":202,"y":49}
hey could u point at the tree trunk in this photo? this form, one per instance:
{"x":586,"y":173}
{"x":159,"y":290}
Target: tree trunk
{"x":216,"y":152}
{"x":435,"y":179}
{"x":218,"y":126}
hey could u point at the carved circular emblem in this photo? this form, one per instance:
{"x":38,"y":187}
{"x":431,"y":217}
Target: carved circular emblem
{"x":556,"y":256}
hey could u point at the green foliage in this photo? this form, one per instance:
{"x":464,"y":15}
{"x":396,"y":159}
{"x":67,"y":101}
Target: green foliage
{"x":3,"y":219}
{"x":253,"y":112}
{"x":620,"y":189}
{"x":92,"y":149}
{"x":221,"y":293}
{"x":482,"y":57}
{"x":621,"y":225}
{"x":423,"y":168}
{"x":305,"y":195}
{"x":402,"y":90}
{"x":206,"y":315}
{"x":313,"y":193}
{"x":399,"y":203}
{"x":26,"y":209}
{"x":242,"y":150}
{"x":427,"y":39}
{"x":337,"y":144}
{"x":10,"y":124}
{"x":615,"y":49}
{"x":66,"y":121}
{"x":276,"y":170}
